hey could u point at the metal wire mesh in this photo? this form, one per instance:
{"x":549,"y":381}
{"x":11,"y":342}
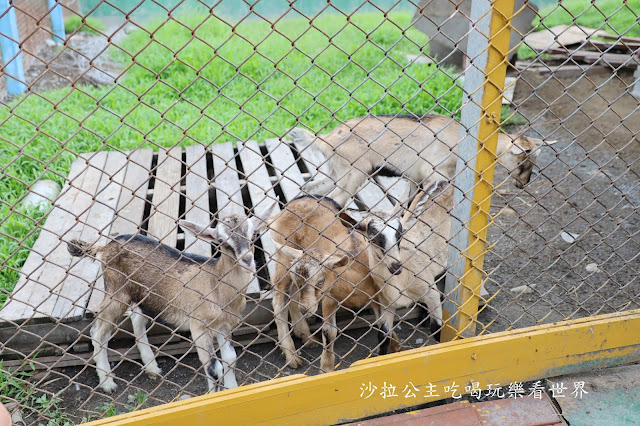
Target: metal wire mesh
{"x":153,"y":112}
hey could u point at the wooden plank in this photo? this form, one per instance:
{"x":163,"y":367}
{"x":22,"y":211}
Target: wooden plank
{"x":513,"y":356}
{"x":393,"y":187}
{"x":73,"y":295}
{"x":314,"y":160}
{"x":606,"y":59}
{"x":373,"y":197}
{"x":59,"y":218}
{"x":286,"y":168}
{"x":166,"y":197}
{"x":197,"y":206}
{"x":226,"y":180}
{"x":129,"y":211}
{"x":38,"y":292}
{"x":607,"y":36}
{"x":134,"y":193}
{"x":228,"y":190}
{"x":260,"y":190}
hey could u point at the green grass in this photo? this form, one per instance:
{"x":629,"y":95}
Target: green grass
{"x":15,"y":387}
{"x":614,"y":16}
{"x":89,"y":26}
{"x":135,"y":401}
{"x":215,"y":88}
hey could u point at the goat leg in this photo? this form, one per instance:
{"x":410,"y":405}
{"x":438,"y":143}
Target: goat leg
{"x":300,"y":326}
{"x":329,"y":334}
{"x":203,"y":340}
{"x":101,"y":333}
{"x":139,"y":324}
{"x":281,"y":316}
{"x":229,"y":357}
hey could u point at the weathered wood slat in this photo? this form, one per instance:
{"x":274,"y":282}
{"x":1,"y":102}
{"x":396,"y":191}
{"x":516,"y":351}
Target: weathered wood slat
{"x":260,"y":190}
{"x":228,"y":190}
{"x":197,"y":205}
{"x":286,"y":168}
{"x":373,"y":197}
{"x":73,"y":295}
{"x":39,"y":292}
{"x":393,"y":187}
{"x":60,"y":217}
{"x":314,"y":161}
{"x":226,"y":180}
{"x":134,"y":193}
{"x":129,"y":211}
{"x":166,"y":197}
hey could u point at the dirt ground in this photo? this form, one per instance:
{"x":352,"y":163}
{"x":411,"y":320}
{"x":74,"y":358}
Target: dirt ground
{"x":587,"y":186}
{"x":83,"y":61}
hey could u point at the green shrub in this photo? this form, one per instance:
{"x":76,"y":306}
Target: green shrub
{"x":90,"y":25}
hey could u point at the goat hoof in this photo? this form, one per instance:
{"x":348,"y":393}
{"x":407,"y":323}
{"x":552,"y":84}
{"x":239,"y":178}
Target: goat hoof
{"x":396,"y":347}
{"x":311,"y":340}
{"x":154,"y":372}
{"x":294,"y":362}
{"x":109,"y":385}
{"x":327,"y":368}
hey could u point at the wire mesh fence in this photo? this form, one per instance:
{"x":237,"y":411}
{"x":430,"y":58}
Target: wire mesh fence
{"x":229,"y":192}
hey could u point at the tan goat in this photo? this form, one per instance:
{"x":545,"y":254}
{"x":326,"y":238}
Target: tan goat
{"x":326,"y":262}
{"x":421,"y":149}
{"x":190,"y":292}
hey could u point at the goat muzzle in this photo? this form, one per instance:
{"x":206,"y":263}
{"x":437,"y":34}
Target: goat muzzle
{"x":395,"y":268}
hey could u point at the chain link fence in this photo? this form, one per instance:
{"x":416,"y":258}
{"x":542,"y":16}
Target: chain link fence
{"x":153,"y":112}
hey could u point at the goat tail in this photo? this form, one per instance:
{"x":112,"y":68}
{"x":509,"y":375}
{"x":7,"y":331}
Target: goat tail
{"x":79,"y":248}
{"x":302,"y":137}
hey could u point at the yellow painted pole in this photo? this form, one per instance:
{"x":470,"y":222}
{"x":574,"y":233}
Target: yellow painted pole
{"x":460,"y":311}
{"x":405,"y":379}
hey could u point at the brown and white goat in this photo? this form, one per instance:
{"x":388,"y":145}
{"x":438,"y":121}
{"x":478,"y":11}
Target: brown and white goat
{"x":190,"y":292}
{"x":423,"y":253}
{"x":421,"y":149}
{"x":322,"y":261}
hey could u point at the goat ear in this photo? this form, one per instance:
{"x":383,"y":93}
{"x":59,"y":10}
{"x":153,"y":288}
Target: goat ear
{"x":429,"y":194}
{"x":290,"y":252}
{"x":200,"y":231}
{"x":335,"y":261}
{"x":353,"y":219}
{"x":403,"y":198}
{"x":260,"y":220}
{"x":541,"y":142}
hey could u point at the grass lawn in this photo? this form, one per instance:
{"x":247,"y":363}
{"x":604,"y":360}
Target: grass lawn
{"x":216,"y":87}
{"x":617,"y":17}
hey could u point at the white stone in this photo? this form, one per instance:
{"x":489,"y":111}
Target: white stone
{"x":523,"y":289}
{"x":569,"y":237}
{"x":592,"y":267}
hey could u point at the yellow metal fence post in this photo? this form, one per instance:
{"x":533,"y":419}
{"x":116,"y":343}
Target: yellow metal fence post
{"x":484,"y":82}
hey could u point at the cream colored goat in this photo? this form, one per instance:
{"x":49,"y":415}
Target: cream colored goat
{"x":421,"y":149}
{"x":190,"y":292}
{"x":423,"y":252}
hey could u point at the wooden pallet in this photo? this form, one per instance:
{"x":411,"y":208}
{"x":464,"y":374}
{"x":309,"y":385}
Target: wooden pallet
{"x":114,"y":193}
